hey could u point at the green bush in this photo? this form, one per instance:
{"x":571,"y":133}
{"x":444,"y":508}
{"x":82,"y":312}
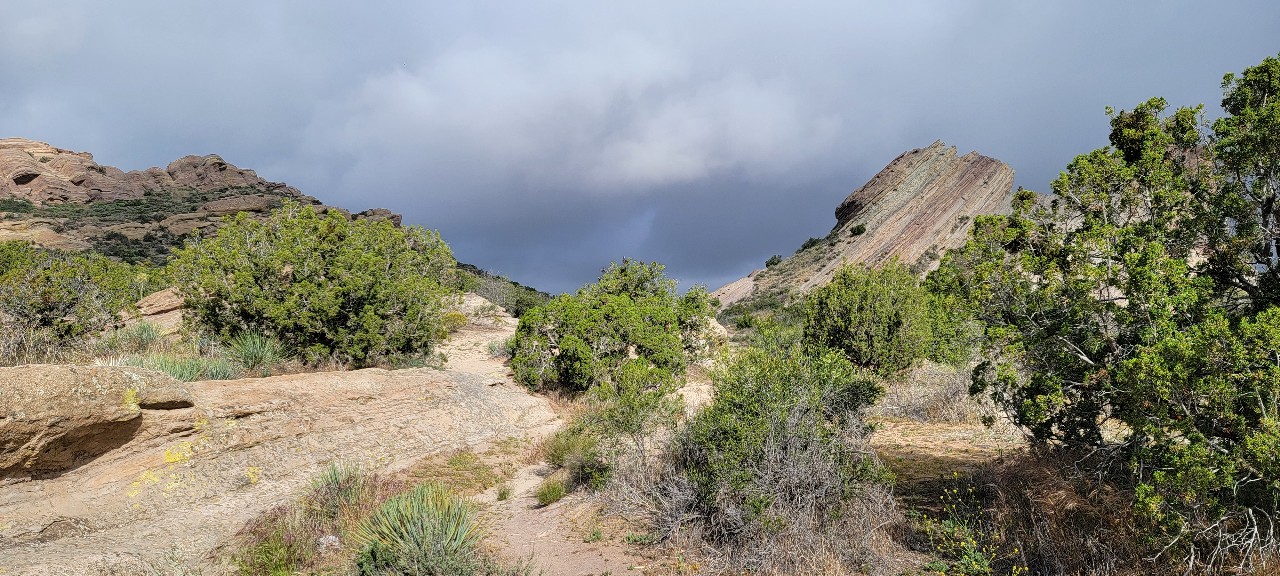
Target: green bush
{"x":256,"y":352}
{"x":454,"y":321}
{"x":132,"y":339}
{"x":883,"y":319}
{"x":574,"y":341}
{"x":775,"y":433}
{"x":576,"y":449}
{"x":1135,"y":318}
{"x":810,"y":243}
{"x":52,"y":302}
{"x":551,"y":490}
{"x":184,"y":368}
{"x":858,"y":230}
{"x":773,"y":261}
{"x":776,"y":473}
{"x":361,"y":292}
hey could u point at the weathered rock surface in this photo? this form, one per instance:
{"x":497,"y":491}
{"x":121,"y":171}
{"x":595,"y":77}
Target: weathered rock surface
{"x":189,"y":196}
{"x":921,"y":204}
{"x":189,"y":478}
{"x":54,"y":418}
{"x":47,"y":175}
{"x":161,"y":309}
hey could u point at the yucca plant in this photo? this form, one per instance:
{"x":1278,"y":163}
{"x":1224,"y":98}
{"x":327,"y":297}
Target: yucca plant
{"x":425,"y":530}
{"x":219,"y":369}
{"x":255,"y":350}
{"x":183,"y":369}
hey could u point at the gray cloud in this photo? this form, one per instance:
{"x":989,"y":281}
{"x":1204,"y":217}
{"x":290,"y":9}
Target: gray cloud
{"x":546,"y":140}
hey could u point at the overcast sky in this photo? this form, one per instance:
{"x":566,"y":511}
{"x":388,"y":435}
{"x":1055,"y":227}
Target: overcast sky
{"x":546,"y":139}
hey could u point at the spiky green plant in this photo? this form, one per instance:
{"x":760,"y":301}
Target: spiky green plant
{"x":180,"y":368}
{"x":219,"y":369}
{"x":256,"y":351}
{"x":423,"y":529}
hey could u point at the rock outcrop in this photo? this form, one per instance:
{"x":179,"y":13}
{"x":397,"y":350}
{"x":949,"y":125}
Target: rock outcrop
{"x":62,"y":199}
{"x":46,"y":175}
{"x":54,"y":418}
{"x":184,"y":480}
{"x":921,"y":204}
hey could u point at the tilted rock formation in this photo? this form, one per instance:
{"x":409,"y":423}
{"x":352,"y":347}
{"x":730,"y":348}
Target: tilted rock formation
{"x":921,"y":204}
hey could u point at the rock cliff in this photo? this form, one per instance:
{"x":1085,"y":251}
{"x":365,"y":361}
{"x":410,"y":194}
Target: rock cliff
{"x":919,"y":205}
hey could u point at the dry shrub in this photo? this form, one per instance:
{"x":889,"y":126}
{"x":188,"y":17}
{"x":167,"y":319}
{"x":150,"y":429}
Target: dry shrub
{"x":1063,"y":523}
{"x":816,"y":523}
{"x":932,"y":392}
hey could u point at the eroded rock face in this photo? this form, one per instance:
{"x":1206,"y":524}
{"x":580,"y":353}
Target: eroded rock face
{"x":918,"y":206}
{"x":55,"y":417}
{"x":153,"y":206}
{"x":48,"y":175}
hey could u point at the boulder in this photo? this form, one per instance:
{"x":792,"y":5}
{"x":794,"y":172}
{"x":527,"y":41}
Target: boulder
{"x":56,"y":417}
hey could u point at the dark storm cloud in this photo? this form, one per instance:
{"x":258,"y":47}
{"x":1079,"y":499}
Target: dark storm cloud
{"x":546,"y":140}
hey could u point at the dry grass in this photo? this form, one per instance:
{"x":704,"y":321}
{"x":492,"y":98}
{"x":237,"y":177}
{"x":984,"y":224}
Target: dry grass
{"x":932,"y":392}
{"x":1062,"y":523}
{"x":803,"y":534}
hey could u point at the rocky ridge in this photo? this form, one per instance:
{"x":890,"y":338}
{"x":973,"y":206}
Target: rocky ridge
{"x":921,"y":204}
{"x":63,"y":199}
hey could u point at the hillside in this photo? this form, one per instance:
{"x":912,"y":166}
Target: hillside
{"x":919,"y":205}
{"x":62,"y":199}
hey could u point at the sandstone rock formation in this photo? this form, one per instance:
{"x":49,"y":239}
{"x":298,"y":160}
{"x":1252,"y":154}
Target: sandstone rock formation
{"x":186,"y":479}
{"x":57,"y":198}
{"x":46,"y":175}
{"x":921,"y":204}
{"x":54,"y":418}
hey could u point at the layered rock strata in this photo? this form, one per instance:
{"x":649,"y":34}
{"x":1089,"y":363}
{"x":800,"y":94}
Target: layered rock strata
{"x":918,"y":206}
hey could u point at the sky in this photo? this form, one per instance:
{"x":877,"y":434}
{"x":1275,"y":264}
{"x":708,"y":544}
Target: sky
{"x":547,"y":139}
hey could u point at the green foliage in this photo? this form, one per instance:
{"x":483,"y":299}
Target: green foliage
{"x":338,"y":486}
{"x":763,"y":309}
{"x":1242,"y":232}
{"x":967,"y":542}
{"x":153,"y":247}
{"x":360,"y":292}
{"x":426,"y":530}
{"x":256,"y":352}
{"x":52,"y":301}
{"x":635,"y":400}
{"x":132,"y":339}
{"x":774,"y":433}
{"x":17,"y":205}
{"x":1134,"y":317}
{"x":810,"y":243}
{"x":574,"y":341}
{"x":551,"y":490}
{"x":773,"y":261}
{"x":185,"y":368}
{"x":454,"y":321}
{"x":858,"y":230}
{"x":882,"y":319}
